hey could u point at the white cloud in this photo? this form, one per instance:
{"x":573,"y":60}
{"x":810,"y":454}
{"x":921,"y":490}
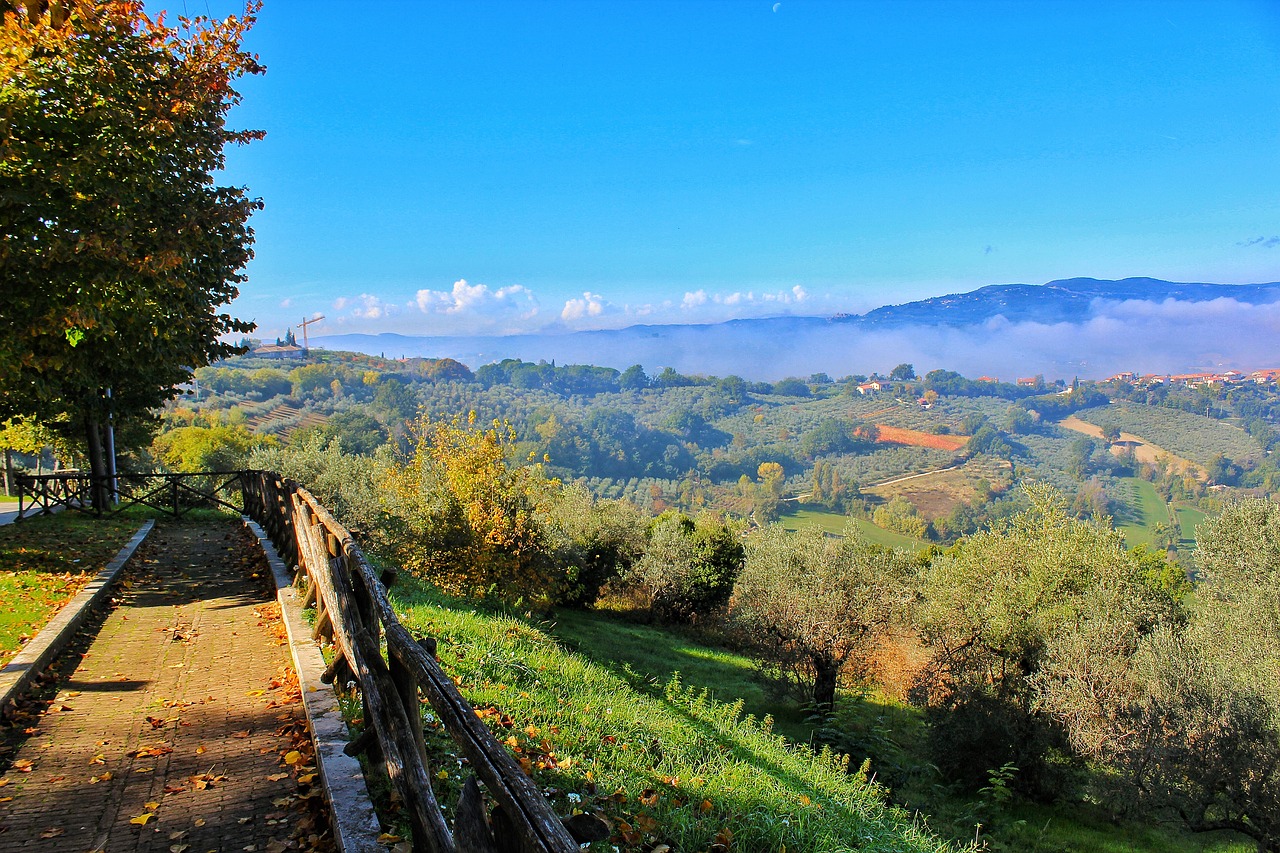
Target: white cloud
{"x":700,"y":298}
{"x":478,"y":299}
{"x":590,"y":305}
{"x":340,"y":303}
{"x":695,"y":299}
{"x":286,"y":303}
{"x":371,"y":307}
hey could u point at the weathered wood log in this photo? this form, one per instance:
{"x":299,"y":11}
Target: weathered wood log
{"x":470,"y":825}
{"x":384,"y":712}
{"x":531,"y":816}
{"x":324,"y":625}
{"x":338,"y":670}
{"x":360,"y":742}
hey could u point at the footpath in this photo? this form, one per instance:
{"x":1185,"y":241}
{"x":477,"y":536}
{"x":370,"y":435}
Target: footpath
{"x":178,"y":725}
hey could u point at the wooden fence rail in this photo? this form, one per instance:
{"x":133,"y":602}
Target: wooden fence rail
{"x":353,"y":612}
{"x":173,"y":494}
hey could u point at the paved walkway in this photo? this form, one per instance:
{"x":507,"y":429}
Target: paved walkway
{"x":180,"y":728}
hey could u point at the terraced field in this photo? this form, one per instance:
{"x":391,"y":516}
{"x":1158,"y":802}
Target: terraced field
{"x":285,"y":420}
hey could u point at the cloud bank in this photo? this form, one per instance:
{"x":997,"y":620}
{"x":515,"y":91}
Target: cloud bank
{"x":1144,"y":336}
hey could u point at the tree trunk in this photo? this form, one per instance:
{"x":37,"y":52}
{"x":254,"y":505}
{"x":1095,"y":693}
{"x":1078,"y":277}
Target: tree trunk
{"x":8,"y":471}
{"x":825,"y":675}
{"x":97,"y":464}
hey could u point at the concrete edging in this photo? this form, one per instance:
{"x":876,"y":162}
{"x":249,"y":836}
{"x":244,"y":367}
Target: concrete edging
{"x":53,"y":638}
{"x":355,"y":825}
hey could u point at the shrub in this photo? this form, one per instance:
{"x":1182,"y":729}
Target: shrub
{"x":688,"y":568}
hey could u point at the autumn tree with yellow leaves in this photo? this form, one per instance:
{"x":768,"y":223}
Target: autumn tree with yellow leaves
{"x":118,"y":245}
{"x":471,"y":518}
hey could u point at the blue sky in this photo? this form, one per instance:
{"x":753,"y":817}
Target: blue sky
{"x":462,"y":168}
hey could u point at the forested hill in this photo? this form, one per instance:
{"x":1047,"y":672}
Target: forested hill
{"x":1075,"y":327}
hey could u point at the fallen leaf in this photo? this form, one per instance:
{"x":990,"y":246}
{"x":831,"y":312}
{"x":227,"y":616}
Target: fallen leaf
{"x":98,"y":759}
{"x":276,"y":777}
{"x":388,"y":838}
{"x":52,"y":832}
{"x":179,"y":848}
{"x":199,"y":821}
{"x":22,"y":765}
{"x":292,"y":757}
{"x":141,"y":820}
{"x":242,"y":734}
{"x":199,"y":750}
{"x":153,"y":805}
{"x":105,"y":777}
{"x":306,"y":778}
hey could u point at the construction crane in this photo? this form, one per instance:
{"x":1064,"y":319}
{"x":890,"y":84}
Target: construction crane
{"x":303,"y":325}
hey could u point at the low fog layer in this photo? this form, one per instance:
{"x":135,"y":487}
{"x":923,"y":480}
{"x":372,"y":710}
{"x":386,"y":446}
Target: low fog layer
{"x":1143,"y":336}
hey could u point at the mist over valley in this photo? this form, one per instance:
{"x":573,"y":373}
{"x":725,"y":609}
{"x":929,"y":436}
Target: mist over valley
{"x":1081,"y":327}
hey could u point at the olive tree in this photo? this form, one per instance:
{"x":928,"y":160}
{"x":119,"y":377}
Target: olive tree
{"x":1001,"y":606}
{"x":815,"y":606}
{"x":1188,"y":716}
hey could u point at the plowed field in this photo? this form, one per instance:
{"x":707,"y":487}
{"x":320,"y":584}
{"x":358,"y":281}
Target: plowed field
{"x":915,"y":438}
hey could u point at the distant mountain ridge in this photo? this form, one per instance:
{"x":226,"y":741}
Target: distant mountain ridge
{"x":1142,"y":324}
{"x":1070,"y":300}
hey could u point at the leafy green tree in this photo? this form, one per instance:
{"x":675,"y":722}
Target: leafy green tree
{"x":355,"y":431}
{"x":995,"y":607}
{"x":791,"y":387}
{"x":29,"y":437}
{"x":602,"y":540}
{"x":633,"y":379}
{"x":688,"y":568}
{"x":903,"y":373}
{"x":815,"y":607}
{"x":217,"y":448}
{"x":119,"y":245}
{"x":1187,"y":715}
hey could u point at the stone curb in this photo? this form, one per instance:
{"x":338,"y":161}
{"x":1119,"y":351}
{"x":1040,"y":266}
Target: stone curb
{"x":53,"y":638}
{"x":355,"y":825}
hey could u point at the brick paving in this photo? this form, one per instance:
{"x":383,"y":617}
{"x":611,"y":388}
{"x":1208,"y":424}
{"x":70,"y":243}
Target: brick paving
{"x":183,"y":707}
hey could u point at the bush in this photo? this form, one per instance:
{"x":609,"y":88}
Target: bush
{"x":687,"y":568}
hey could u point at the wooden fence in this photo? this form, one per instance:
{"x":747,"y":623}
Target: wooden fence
{"x":352,"y":612}
{"x":172,"y":494}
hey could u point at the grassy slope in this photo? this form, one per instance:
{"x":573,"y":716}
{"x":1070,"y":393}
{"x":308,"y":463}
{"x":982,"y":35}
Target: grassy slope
{"x":1142,"y":509}
{"x":572,"y":686}
{"x":1188,"y":518}
{"x":665,"y":764}
{"x":834,"y":523}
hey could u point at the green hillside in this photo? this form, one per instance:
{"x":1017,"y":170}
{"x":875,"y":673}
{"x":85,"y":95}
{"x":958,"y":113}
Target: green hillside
{"x":666,"y":762}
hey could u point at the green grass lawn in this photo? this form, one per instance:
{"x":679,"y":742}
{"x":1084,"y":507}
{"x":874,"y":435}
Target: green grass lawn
{"x":1188,"y":518}
{"x":1139,"y":508}
{"x":46,"y":560}
{"x":834,"y":523}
